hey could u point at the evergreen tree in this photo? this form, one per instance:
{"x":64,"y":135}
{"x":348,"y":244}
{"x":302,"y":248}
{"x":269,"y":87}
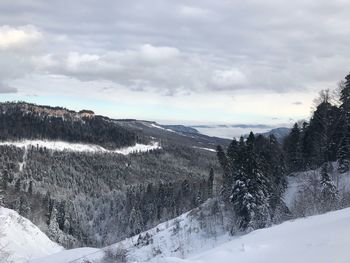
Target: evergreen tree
{"x":292,"y":149}
{"x":135,"y":221}
{"x":30,"y":188}
{"x":18,"y":185}
{"x":329,"y":192}
{"x":250,"y":195}
{"x":343,"y":153}
{"x":210,"y":183}
{"x":227,"y":176}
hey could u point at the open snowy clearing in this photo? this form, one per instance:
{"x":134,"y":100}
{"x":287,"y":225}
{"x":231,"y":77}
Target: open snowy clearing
{"x":21,"y":239}
{"x":79,"y":147}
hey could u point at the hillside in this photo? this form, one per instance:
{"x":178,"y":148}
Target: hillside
{"x":320,"y":239}
{"x":21,"y":240}
{"x":85,"y":189}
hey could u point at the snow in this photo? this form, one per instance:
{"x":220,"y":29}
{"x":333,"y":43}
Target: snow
{"x":79,"y":147}
{"x":77,"y":255}
{"x":21,"y":239}
{"x":162,"y":128}
{"x":206,"y":149}
{"x":296,"y":181}
{"x":322,"y":239}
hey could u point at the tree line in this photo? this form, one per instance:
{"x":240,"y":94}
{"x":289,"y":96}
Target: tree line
{"x":255,"y":169}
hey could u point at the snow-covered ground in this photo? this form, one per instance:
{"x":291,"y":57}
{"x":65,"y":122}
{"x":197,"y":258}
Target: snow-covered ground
{"x":322,"y":239}
{"x":295,"y":182}
{"x":206,"y":149}
{"x":80,"y":147}
{"x":78,"y":255}
{"x":180,"y":237}
{"x":21,"y":239}
{"x":160,"y":127}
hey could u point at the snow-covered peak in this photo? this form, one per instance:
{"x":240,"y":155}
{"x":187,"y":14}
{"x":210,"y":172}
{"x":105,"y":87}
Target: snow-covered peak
{"x":21,"y":240}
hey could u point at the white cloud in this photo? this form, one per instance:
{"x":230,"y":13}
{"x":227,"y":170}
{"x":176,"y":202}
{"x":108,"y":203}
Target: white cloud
{"x":229,"y":78}
{"x":18,"y":37}
{"x":158,"y":54}
{"x":164,"y":69}
{"x":192,"y":11}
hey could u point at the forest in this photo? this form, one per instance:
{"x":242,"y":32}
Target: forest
{"x":96,"y":199}
{"x":256,"y":169}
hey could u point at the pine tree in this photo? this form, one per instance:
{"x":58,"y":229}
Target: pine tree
{"x":250,"y":195}
{"x":135,"y":222}
{"x":30,"y":188}
{"x":18,"y":185}
{"x":54,"y":229}
{"x":5,"y":179}
{"x":292,"y":147}
{"x":227,"y":176}
{"x":343,"y":153}
{"x":329,"y":192}
{"x":210,"y":183}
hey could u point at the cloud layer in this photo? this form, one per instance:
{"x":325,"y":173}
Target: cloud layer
{"x":176,"y":48}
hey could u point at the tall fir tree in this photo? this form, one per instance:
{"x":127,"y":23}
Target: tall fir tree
{"x":329,"y":192}
{"x":250,"y":195}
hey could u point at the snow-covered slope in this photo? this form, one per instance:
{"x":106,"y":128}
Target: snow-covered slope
{"x":297,"y":181}
{"x":21,"y":240}
{"x":79,"y":147}
{"x":322,"y":239}
{"x":183,"y":236}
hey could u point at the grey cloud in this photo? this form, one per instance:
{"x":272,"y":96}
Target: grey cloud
{"x":4,"y":88}
{"x":229,"y":45}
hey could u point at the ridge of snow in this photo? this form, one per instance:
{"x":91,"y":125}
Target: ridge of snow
{"x":21,"y":239}
{"x":80,"y":147}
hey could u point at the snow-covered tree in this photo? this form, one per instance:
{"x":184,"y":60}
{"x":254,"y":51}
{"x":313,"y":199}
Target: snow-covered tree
{"x":329,"y":192}
{"x":250,"y":195}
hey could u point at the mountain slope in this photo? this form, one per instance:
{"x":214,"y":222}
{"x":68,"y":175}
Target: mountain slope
{"x":82,"y":182}
{"x":21,"y":239}
{"x":322,"y":239}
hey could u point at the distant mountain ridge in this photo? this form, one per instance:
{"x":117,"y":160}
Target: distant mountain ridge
{"x":20,"y":120}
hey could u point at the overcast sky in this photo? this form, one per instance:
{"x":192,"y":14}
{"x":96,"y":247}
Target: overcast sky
{"x":183,"y":61}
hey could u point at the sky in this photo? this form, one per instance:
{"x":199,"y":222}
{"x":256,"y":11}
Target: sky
{"x":182,"y":61}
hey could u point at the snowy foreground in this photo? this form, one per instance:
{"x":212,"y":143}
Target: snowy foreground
{"x":80,"y":147}
{"x":21,"y":240}
{"x":322,"y":239}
